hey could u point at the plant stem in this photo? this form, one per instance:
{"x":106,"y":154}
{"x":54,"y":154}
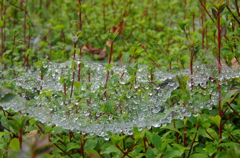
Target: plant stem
{"x":73,"y":73}
{"x":109,"y":62}
{"x":194,"y":138}
{"x":80,"y":15}
{"x":219,"y":71}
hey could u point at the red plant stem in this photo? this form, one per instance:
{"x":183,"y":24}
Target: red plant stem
{"x":204,"y":7}
{"x":124,"y":153}
{"x":219,"y":71}
{"x":63,"y":150}
{"x":194,"y":138}
{"x":73,"y":74}
{"x":234,"y":137}
{"x":111,"y":53}
{"x":65,"y":89}
{"x":193,"y":22}
{"x":233,"y":109}
{"x":185,"y":130}
{"x":219,"y":42}
{"x":41,"y":77}
{"x":176,"y":133}
{"x":185,"y":9}
{"x":2,"y":38}
{"x":25,"y":22}
{"x":104,"y":17}
{"x":145,"y":144}
{"x":80,"y":15}
{"x":209,"y":134}
{"x":233,"y":15}
{"x":155,"y":63}
{"x":237,"y":8}
{"x":80,"y":64}
{"x":82,"y":147}
{"x":109,"y":62}
{"x":203,"y":33}
{"x":20,"y":137}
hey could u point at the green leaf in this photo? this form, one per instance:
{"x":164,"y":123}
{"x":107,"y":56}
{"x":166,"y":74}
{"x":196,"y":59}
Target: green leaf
{"x":197,"y":155}
{"x":214,"y":12}
{"x":110,"y":149}
{"x":150,"y":153}
{"x":8,"y":97}
{"x":222,"y":7}
{"x":172,"y":153}
{"x":157,"y":141}
{"x":71,"y":146}
{"x":92,"y":153}
{"x":15,"y":145}
{"x":1,"y":23}
{"x":172,"y":129}
{"x":2,"y":133}
{"x":91,"y":143}
{"x":109,"y":66}
{"x":77,"y":84}
{"x":229,"y":97}
{"x":229,"y":144}
{"x":216,"y":120}
{"x":126,"y":57}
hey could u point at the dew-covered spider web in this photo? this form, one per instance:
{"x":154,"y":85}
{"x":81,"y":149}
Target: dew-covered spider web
{"x":95,"y":98}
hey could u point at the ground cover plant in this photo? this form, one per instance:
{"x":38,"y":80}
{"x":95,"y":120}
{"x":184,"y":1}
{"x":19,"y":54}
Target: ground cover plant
{"x":119,"y":78}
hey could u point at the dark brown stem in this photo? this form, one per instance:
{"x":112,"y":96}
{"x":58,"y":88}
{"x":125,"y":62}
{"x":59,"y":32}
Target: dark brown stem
{"x":237,"y":8}
{"x":194,"y":138}
{"x":63,"y":150}
{"x":233,"y":15}
{"x":20,"y":137}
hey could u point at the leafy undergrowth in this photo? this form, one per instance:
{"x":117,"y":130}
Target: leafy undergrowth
{"x":122,"y":78}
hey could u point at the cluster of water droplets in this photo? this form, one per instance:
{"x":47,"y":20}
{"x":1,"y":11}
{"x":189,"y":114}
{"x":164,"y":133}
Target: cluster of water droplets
{"x":95,"y":98}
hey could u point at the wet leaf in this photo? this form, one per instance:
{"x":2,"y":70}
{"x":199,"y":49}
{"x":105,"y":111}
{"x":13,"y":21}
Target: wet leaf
{"x":8,"y":97}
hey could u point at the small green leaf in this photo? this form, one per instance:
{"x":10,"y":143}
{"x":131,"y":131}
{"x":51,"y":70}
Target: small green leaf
{"x":126,"y":57}
{"x":8,"y":97}
{"x":172,"y":129}
{"x":150,"y":153}
{"x":77,"y":84}
{"x":71,"y":146}
{"x":222,"y":7}
{"x":92,"y":153}
{"x":214,"y":12}
{"x":109,"y":66}
{"x":157,"y":141}
{"x":1,"y":23}
{"x":229,"y":96}
{"x":172,"y":154}
{"x":110,"y":149}
{"x":2,"y":133}
{"x":91,"y":144}
{"x":216,"y":120}
{"x":198,"y":155}
{"x":15,"y":145}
